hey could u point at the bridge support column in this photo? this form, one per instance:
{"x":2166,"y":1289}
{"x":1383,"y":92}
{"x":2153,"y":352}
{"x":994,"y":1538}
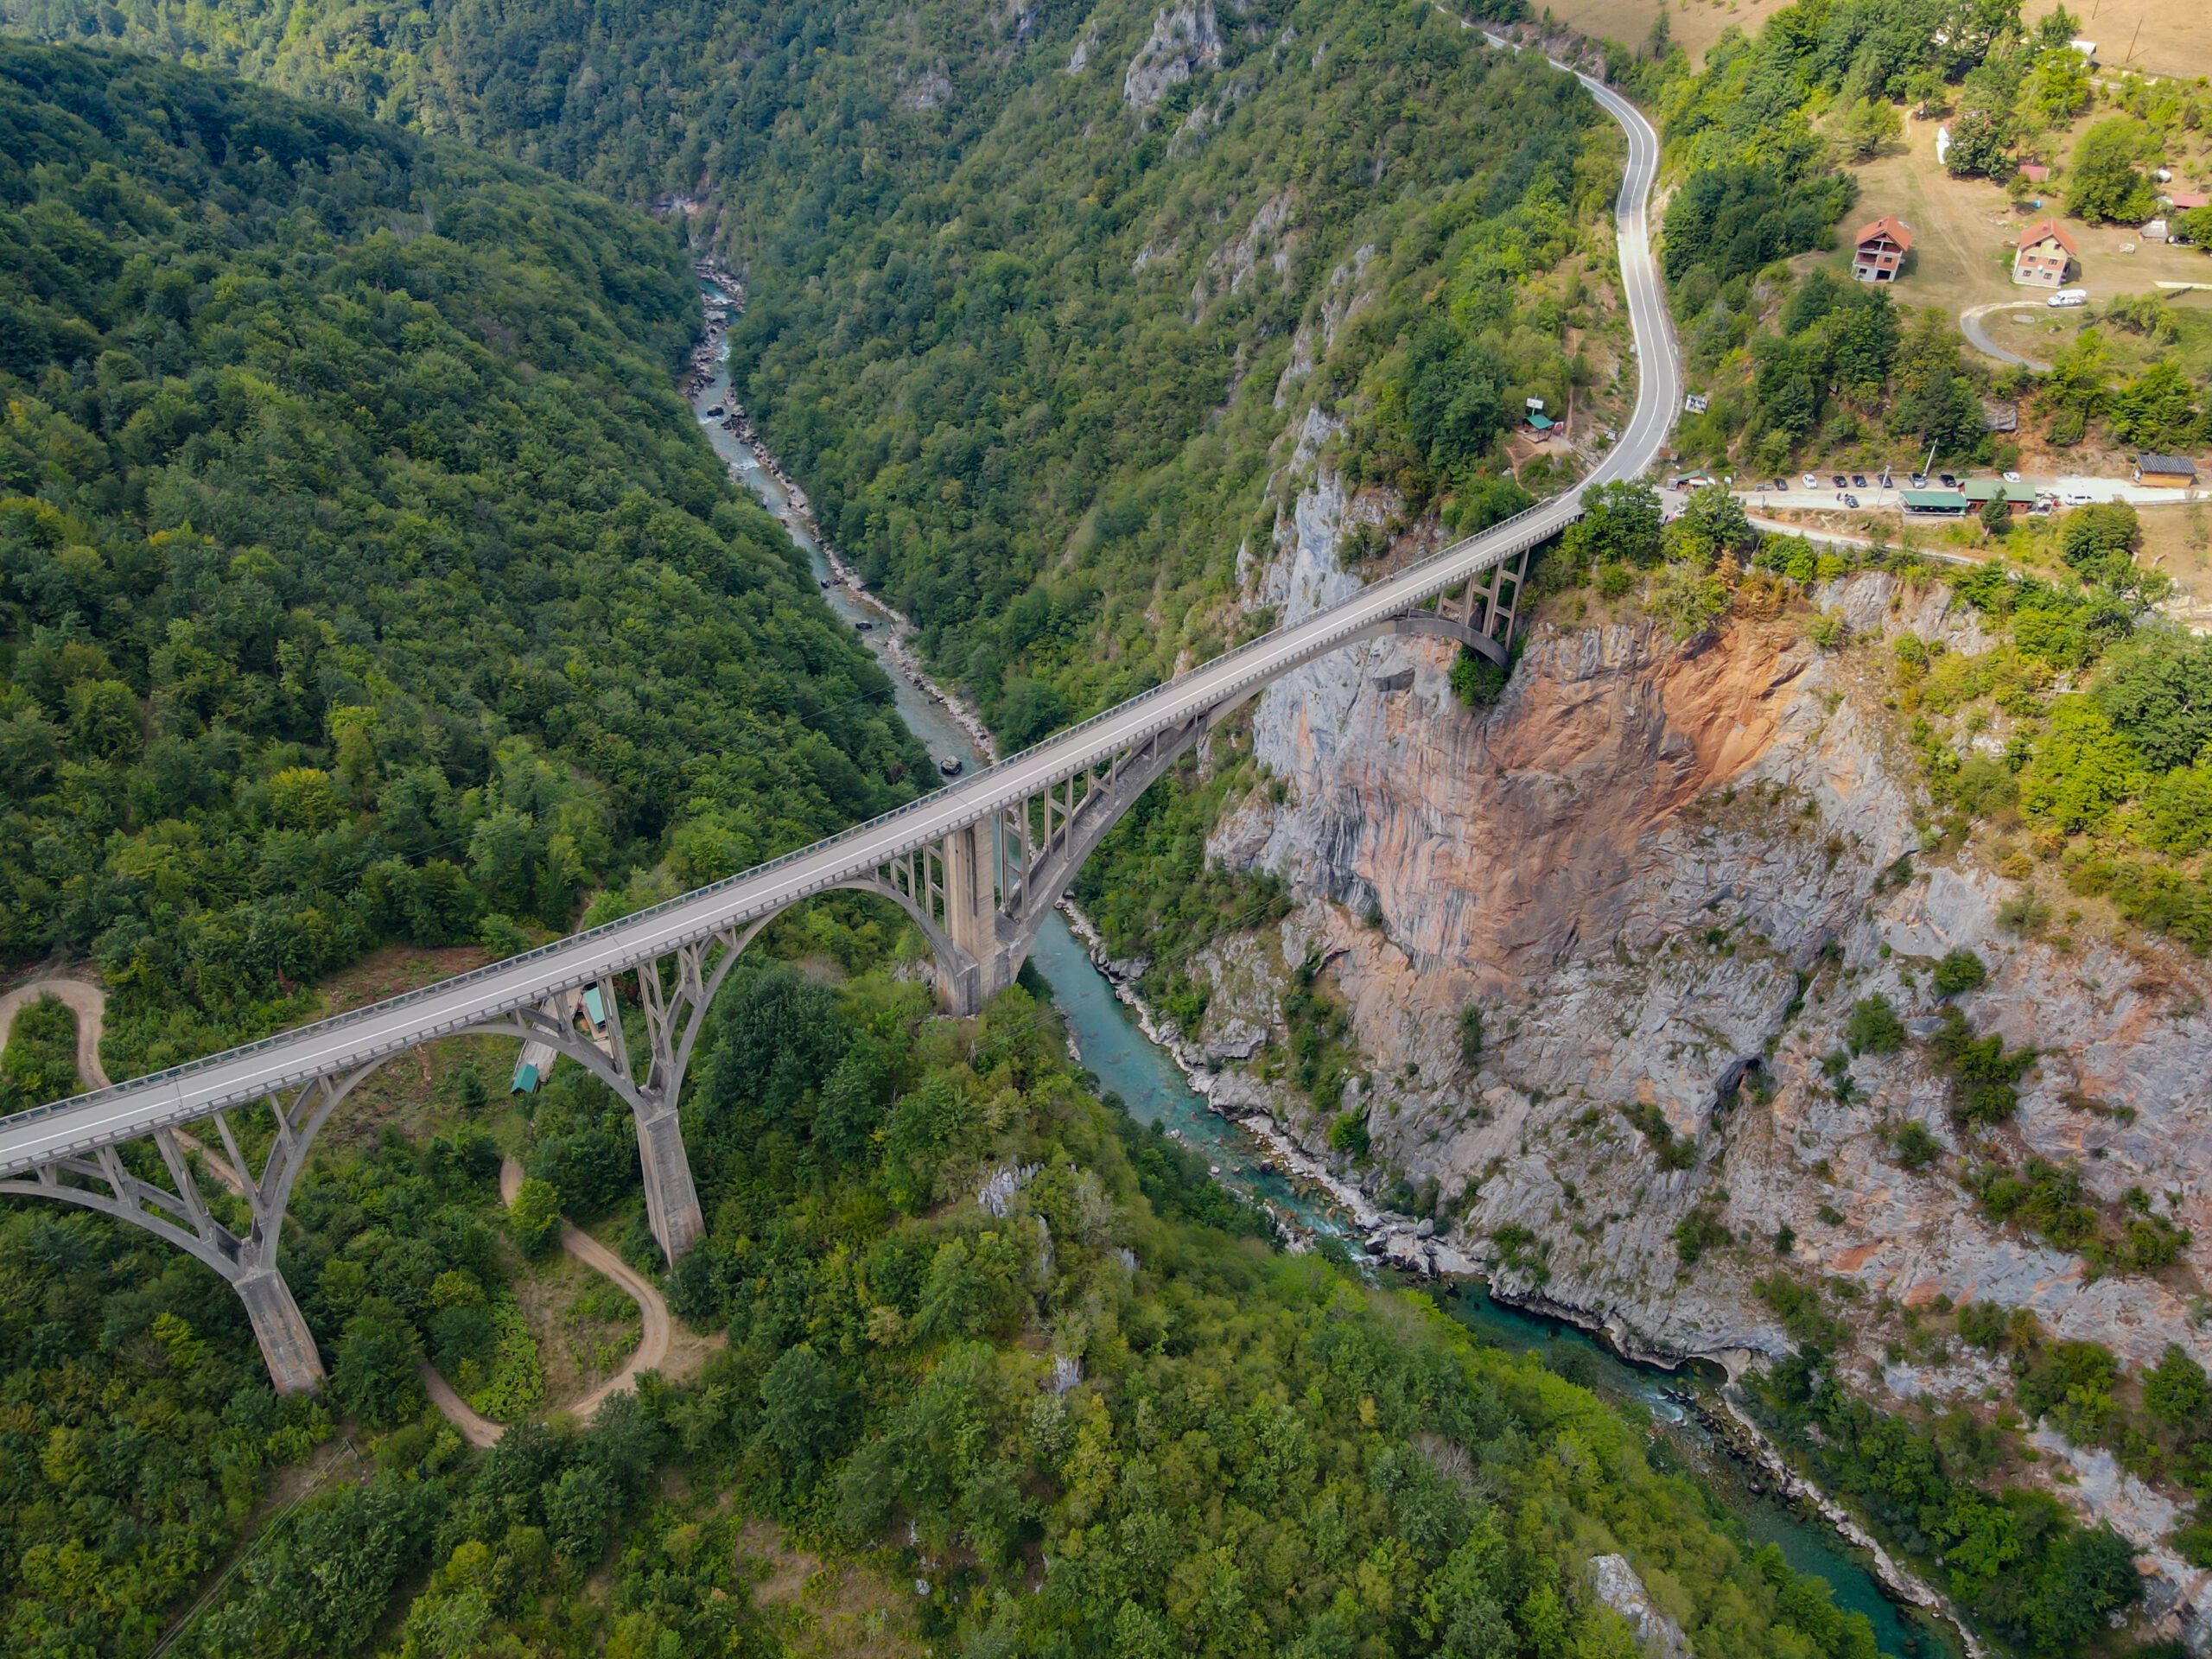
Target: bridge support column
{"x":287,"y":1346}
{"x":971,"y":922}
{"x":671,"y":1200}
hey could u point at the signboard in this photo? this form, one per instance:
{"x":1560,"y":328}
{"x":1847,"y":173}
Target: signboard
{"x":1696,"y":402}
{"x":1533,"y":402}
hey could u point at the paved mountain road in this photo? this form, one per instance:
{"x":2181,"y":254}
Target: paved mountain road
{"x":1970,"y":320}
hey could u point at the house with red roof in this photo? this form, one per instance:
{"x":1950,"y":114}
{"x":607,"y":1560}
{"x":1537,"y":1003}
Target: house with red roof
{"x":1880,"y":248}
{"x":2044,"y":252}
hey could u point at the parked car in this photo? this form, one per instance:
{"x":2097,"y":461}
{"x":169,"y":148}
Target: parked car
{"x":2011,"y":478}
{"x":1858,"y":480}
{"x":1946,"y":480}
{"x":2077,"y":497}
{"x":1920,"y":480}
{"x":2070,"y":296}
{"x":1841,"y":482}
{"x":1811,"y":482}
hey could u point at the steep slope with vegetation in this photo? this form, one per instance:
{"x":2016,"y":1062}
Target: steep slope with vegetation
{"x":1033,"y":292}
{"x":970,"y":1333}
{"x":364,"y":576}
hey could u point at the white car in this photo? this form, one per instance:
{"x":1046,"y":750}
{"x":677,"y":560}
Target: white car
{"x":1812,"y":483}
{"x":2070,"y":296}
{"x":2077,"y":497}
{"x":2011,"y":478}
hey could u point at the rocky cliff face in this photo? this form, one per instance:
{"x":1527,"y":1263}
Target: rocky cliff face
{"x":1647,"y":865}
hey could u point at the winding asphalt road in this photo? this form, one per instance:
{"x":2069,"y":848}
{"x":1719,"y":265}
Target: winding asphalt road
{"x":1970,"y":320}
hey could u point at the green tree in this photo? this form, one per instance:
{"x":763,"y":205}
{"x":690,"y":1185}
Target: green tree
{"x":375,"y":1376}
{"x":534,"y":1217}
{"x":1866,"y":126}
{"x":1622,"y":522}
{"x":2175,"y":1390}
{"x":1711,"y":523}
{"x":804,"y":1408}
{"x":2105,"y":182}
{"x":2157,"y":409}
{"x":1688,"y":598}
{"x":1980,"y":145}
{"x":2081,"y":769}
{"x":40,"y":1063}
{"x":2157,"y":691}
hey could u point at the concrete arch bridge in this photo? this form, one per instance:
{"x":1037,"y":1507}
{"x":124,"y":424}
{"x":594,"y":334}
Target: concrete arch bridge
{"x":976,"y":866}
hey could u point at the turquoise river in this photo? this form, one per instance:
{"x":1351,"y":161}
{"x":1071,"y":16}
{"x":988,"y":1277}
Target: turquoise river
{"x":1155,"y":1090}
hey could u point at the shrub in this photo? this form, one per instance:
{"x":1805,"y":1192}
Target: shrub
{"x":1982,"y":1324}
{"x":1699,"y":1231}
{"x":1802,"y":1310}
{"x":1960,"y":971}
{"x":1912,"y":1146}
{"x":1874,"y":1027}
{"x":1673,"y":1151}
{"x":1983,"y":1071}
{"x":534,"y":1216}
{"x":1470,"y":1034}
{"x":2175,"y":1390}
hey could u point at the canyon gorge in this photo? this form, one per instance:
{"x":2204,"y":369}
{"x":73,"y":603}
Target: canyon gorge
{"x":1666,"y":873}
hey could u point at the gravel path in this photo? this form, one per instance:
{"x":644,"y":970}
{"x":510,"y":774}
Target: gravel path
{"x":88,"y":1002}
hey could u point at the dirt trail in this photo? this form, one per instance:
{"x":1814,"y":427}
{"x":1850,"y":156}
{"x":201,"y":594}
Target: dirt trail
{"x":88,"y":1002}
{"x":480,"y":1432}
{"x":655,"y":1324}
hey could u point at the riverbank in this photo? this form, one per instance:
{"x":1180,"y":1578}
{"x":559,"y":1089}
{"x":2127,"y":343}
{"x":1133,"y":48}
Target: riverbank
{"x":708,"y":359}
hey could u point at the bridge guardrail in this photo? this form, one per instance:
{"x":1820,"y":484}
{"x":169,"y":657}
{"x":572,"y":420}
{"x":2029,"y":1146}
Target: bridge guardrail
{"x":571,"y":943}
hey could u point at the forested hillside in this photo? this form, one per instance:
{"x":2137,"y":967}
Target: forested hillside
{"x":1025,"y":284}
{"x":365,"y":578}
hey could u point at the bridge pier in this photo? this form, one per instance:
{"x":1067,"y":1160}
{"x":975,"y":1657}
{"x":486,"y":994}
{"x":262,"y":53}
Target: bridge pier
{"x":671,"y":1199}
{"x":287,"y":1345}
{"x":975,"y":971}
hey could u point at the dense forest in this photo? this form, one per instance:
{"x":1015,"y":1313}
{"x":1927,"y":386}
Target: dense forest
{"x":1084,"y":1420}
{"x":368,"y":582}
{"x":364,"y":576}
{"x":1032,"y":294}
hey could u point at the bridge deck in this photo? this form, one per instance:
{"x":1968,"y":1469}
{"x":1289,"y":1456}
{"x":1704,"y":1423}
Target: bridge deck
{"x":183,"y":1093}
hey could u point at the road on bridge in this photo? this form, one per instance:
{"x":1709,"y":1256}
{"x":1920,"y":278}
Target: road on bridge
{"x":294,"y":1059}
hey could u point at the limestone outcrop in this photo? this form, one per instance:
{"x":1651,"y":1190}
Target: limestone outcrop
{"x":1185,"y":38}
{"x":1665,"y":873}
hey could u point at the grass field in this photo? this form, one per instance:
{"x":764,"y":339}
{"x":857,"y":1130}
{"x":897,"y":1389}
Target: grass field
{"x":2152,"y":37}
{"x":2165,"y":38}
{"x":1966,"y":231}
{"x":1696,"y":24}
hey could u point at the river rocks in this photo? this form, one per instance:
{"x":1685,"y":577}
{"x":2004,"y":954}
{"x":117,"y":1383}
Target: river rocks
{"x":1614,"y":1583}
